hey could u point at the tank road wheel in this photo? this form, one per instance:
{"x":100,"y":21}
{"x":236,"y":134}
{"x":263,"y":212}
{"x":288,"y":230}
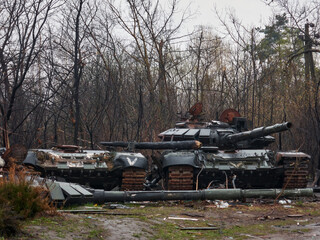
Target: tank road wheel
{"x":295,"y":172}
{"x":180,"y":178}
{"x":133,"y":179}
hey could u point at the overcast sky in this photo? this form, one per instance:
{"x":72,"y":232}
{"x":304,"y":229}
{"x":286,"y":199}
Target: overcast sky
{"x":249,"y":12}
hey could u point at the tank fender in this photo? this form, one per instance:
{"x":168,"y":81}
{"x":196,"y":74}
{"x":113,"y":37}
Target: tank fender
{"x":180,"y":158}
{"x":293,"y":155}
{"x":127,"y":159}
{"x":31,"y":159}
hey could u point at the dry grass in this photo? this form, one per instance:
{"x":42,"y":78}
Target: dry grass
{"x":19,"y":200}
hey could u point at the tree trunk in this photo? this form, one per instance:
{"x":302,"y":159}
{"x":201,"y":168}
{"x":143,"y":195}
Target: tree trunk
{"x":77,"y":75}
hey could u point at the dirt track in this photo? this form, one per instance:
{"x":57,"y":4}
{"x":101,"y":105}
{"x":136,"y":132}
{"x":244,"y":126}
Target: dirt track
{"x":256,"y":219}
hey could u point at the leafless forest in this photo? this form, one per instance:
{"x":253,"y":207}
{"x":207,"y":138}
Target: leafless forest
{"x":81,"y":72}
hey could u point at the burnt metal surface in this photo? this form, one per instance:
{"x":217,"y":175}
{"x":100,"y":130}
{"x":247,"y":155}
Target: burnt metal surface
{"x":180,"y":178}
{"x":296,"y":169}
{"x":133,"y":179}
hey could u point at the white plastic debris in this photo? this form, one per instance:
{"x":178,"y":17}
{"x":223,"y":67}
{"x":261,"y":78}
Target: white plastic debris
{"x":287,"y":206}
{"x":221,"y":204}
{"x":285,"y":201}
{"x":182,"y":218}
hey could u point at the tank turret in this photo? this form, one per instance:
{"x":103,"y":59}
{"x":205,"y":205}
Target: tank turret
{"x":224,"y":135}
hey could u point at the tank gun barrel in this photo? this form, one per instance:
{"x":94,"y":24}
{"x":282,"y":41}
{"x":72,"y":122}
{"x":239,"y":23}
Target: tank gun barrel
{"x":101,"y":196}
{"x":115,"y":144}
{"x":179,"y":145}
{"x":258,"y":132}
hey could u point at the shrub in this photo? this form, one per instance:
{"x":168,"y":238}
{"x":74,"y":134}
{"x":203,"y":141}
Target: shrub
{"x":10,"y":223}
{"x":20,"y":200}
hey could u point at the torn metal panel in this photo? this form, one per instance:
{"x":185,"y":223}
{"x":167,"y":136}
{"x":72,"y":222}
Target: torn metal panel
{"x":55,"y":191}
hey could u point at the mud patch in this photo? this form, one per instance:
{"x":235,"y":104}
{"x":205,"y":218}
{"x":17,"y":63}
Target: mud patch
{"x":126,"y":228}
{"x":299,"y":231}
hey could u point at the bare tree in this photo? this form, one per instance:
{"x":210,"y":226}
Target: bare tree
{"x":74,"y":45}
{"x":207,"y":67}
{"x":305,"y":18}
{"x":21,"y":42}
{"x":151,"y":29}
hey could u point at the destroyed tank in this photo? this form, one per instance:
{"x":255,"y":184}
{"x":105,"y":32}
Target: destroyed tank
{"x":223,"y":154}
{"x":231,"y":156}
{"x":94,"y":168}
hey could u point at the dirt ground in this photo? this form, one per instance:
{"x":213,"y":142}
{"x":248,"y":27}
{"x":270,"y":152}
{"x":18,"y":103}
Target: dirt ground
{"x":253,"y":219}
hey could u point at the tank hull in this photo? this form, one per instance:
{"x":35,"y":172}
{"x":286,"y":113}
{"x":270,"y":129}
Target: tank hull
{"x":94,"y":168}
{"x":247,"y":169}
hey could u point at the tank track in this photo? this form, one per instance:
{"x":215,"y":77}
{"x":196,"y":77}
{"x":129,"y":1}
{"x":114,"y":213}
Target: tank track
{"x":180,"y":178}
{"x":133,"y":179}
{"x":295,"y":172}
